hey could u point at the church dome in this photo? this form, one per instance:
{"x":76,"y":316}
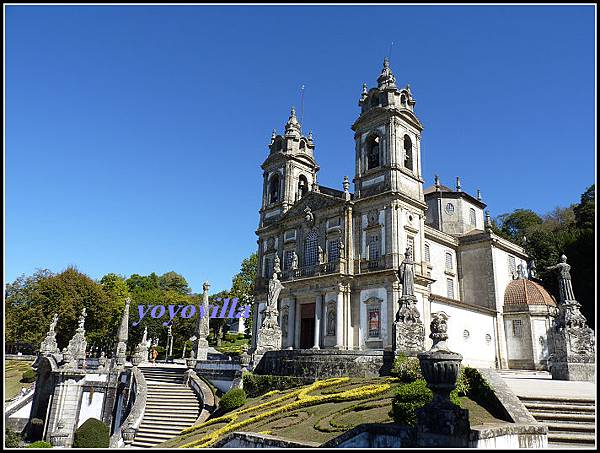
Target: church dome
{"x":526,"y":292}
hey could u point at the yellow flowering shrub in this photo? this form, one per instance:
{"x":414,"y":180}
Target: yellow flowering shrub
{"x":302,"y":398}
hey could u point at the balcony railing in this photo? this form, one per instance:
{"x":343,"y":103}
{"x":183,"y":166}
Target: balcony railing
{"x":311,"y":271}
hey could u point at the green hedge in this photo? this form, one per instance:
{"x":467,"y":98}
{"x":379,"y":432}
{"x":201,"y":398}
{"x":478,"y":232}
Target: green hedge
{"x":412,"y":396}
{"x":233,"y":399}
{"x":257,"y":384}
{"x":40,"y":444}
{"x":12,"y":439}
{"x":92,"y":434}
{"x":407,"y":369}
{"x":28,"y":376}
{"x":477,"y":389}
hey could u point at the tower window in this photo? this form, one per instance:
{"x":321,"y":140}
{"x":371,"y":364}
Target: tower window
{"x":373,"y":152}
{"x":517,"y":326}
{"x":408,"y":153}
{"x":302,"y":145}
{"x":333,"y":250}
{"x":403,"y":100}
{"x":311,"y":252}
{"x":302,"y":186}
{"x":472,"y":216}
{"x":274,"y":189}
{"x":374,"y":247}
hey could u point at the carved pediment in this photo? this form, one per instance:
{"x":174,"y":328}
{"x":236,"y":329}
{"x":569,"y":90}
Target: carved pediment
{"x":373,"y":300}
{"x":315,"y":201}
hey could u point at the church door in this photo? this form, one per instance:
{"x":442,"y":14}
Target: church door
{"x":307,"y":326}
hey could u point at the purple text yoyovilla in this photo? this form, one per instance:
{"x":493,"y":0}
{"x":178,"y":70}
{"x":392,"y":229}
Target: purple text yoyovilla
{"x":226,"y":310}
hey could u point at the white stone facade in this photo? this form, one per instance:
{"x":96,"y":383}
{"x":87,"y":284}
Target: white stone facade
{"x":343,"y":290}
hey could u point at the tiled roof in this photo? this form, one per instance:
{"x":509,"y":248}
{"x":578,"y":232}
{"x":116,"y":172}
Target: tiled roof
{"x":526,"y":292}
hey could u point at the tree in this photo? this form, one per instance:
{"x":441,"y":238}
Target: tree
{"x":516,"y":224}
{"x":242,"y":285}
{"x":585,"y":211}
{"x":217,"y":324}
{"x":172,"y":281}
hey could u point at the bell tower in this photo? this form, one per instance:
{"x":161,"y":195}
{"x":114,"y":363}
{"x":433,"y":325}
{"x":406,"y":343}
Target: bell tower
{"x":289,"y":172}
{"x":388,"y":141}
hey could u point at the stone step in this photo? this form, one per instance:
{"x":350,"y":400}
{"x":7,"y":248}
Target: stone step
{"x":161,"y":421}
{"x":186,"y":412}
{"x":561,"y":407}
{"x":171,"y":391}
{"x":160,"y":430}
{"x":142,"y":444}
{"x":543,"y":416}
{"x":572,"y":438}
{"x":174,"y":408}
{"x":558,"y":426}
{"x":557,"y":400}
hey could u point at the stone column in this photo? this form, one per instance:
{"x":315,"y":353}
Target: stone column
{"x":123,"y":335}
{"x":339,"y":322}
{"x":200,"y":351}
{"x":318,"y":310}
{"x":292,"y":322}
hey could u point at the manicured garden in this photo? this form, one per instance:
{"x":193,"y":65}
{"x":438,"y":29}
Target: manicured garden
{"x":14,"y":378}
{"x":322,"y":410}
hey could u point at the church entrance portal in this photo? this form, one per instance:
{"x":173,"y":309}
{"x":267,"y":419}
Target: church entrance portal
{"x":307,"y":326}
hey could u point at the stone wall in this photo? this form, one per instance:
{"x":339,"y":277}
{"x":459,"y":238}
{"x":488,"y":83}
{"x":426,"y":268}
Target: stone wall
{"x":322,"y":364}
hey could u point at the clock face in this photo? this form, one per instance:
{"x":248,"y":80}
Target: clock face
{"x":449,"y":209}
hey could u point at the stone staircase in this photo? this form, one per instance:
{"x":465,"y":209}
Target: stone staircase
{"x":570,"y":421}
{"x":170,"y":406}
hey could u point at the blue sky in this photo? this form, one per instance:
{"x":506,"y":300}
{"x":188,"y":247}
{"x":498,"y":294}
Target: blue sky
{"x":134,"y":135}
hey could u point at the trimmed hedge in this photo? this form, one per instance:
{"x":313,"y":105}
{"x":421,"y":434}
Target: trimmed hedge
{"x":92,"y":434}
{"x":28,"y":376}
{"x":410,"y":397}
{"x":40,"y":444}
{"x":12,"y":439}
{"x":233,"y":399}
{"x":257,"y":384}
{"x":407,"y":369}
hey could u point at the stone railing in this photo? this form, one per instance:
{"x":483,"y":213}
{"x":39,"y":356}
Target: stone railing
{"x":330,"y":267}
{"x":125,"y":434}
{"x":208,"y":400}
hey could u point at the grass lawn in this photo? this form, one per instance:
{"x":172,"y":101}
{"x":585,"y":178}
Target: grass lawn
{"x":314,"y":413}
{"x":13,"y":371}
{"x":233,"y":346}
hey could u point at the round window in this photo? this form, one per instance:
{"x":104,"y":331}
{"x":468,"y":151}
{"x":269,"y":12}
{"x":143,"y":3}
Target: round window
{"x":450,"y":209}
{"x":466,"y":334}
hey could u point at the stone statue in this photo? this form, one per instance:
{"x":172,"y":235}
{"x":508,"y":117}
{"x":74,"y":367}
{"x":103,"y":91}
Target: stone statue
{"x":277,"y":265}
{"x":331,"y":321}
{"x":82,"y":319}
{"x":309,"y":216}
{"x":408,"y":329}
{"x":341,"y":248}
{"x":270,"y":334}
{"x":564,"y":279}
{"x":531,"y":269}
{"x":406,"y":274}
{"x":439,"y":331}
{"x":321,"y":255}
{"x":294,"y":260}
{"x":521,"y":271}
{"x":54,"y":322}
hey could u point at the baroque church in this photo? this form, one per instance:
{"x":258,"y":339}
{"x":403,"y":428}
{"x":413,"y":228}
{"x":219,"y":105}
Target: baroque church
{"x":338,"y":253}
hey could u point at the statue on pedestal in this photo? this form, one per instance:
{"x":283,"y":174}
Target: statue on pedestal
{"x":270,"y":335}
{"x":573,"y":354}
{"x":408,"y":329}
{"x":49,"y":344}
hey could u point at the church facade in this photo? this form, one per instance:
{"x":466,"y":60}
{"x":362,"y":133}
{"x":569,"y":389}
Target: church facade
{"x":337,"y":253}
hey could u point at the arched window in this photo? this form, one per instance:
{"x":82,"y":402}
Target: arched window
{"x":311,"y":249}
{"x":403,"y":100}
{"x":302,"y":145}
{"x":372,"y":152}
{"x":302,"y":186}
{"x":408,"y":153}
{"x":274,"y":189}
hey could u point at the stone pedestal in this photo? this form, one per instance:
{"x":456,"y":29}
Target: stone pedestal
{"x":573,"y":355}
{"x":408,"y":331}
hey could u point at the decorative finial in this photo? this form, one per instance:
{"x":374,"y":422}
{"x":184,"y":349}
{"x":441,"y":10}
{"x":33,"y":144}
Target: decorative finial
{"x":386,"y":62}
{"x":273,"y":135}
{"x":458,"y":184}
{"x":437,"y":183}
{"x":310,"y":136}
{"x":364,"y":90}
{"x":386,"y":79}
{"x":488,"y":220}
{"x":292,"y":127}
{"x":479,"y":194}
{"x":206,"y":286}
{"x":346,"y":184}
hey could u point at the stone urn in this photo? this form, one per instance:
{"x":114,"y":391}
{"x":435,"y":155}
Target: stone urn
{"x":128,"y":434}
{"x":136,"y":359}
{"x":439,"y":365}
{"x":190,"y":362}
{"x":440,"y":369}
